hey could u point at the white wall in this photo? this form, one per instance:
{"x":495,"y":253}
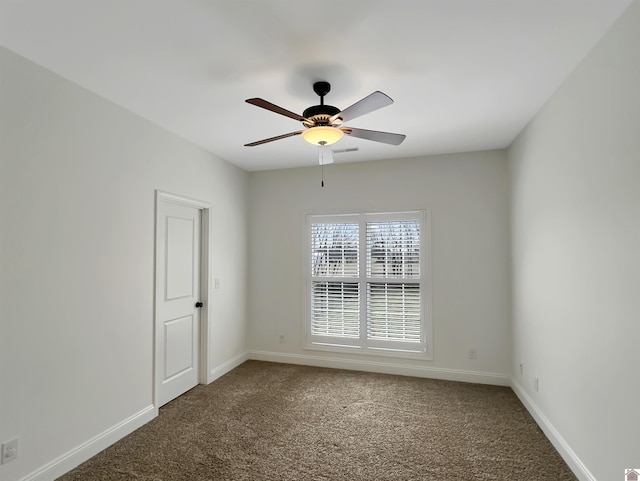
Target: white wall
{"x":468,"y":198}
{"x":78,"y":176}
{"x":575,"y":174}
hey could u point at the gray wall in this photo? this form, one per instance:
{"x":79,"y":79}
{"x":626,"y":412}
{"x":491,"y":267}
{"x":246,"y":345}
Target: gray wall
{"x":575,"y":175}
{"x":467,"y":195}
{"x":78,"y":176}
{"x":77,"y":182}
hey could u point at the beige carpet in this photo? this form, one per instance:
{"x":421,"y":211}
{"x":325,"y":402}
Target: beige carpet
{"x":266,"y":421}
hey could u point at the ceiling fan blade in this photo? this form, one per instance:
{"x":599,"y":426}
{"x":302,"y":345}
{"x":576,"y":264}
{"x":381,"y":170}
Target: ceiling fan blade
{"x":264,"y":141}
{"x":274,"y":108}
{"x":375,"y":135}
{"x":371,"y":102}
{"x":325,"y":155}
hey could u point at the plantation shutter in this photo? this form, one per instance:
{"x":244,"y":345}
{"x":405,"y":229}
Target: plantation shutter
{"x":335,"y":309}
{"x":366,"y":285}
{"x":393,"y":249}
{"x":393,"y":260}
{"x":335,"y":291}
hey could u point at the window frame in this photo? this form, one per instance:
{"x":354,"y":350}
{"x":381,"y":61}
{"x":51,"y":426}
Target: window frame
{"x":362,"y":345}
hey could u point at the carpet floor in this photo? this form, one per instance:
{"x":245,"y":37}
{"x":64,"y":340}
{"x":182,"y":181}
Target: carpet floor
{"x":267,"y":421}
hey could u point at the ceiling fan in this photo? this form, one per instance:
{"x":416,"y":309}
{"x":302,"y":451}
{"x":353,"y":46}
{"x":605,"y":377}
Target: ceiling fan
{"x":323,"y":123}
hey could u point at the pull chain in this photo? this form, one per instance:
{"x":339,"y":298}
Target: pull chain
{"x":322,"y":158}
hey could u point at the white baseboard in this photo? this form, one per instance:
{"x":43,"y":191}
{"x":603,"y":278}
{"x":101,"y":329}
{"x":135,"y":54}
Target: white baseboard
{"x":90,"y":448}
{"x":569,"y":456}
{"x":93,"y":446}
{"x":383,"y":367}
{"x":227,"y":366}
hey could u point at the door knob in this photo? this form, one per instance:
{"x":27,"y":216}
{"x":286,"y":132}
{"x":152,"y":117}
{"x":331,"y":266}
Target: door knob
{"x":199,"y":304}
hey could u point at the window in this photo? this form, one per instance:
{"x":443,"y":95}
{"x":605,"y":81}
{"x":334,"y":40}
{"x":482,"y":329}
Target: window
{"x":367,"y":283}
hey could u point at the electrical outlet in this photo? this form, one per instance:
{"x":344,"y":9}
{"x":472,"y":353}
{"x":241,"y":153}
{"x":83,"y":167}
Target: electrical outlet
{"x":281,"y":338}
{"x":216,"y":283}
{"x":473,"y":354}
{"x":9,"y":451}
{"x":521,"y":368}
{"x":536,"y":385}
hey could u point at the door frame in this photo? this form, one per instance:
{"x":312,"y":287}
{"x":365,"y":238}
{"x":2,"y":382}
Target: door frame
{"x":205,"y":256}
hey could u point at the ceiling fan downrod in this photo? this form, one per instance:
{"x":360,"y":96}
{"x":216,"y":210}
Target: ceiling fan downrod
{"x":321,"y":89}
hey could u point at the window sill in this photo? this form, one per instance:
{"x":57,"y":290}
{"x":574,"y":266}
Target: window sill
{"x":368,"y":351}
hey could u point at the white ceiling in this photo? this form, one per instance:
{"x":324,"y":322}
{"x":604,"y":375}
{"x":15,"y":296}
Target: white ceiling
{"x":465,"y":74}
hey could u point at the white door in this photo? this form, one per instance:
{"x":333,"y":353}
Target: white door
{"x":178,"y":257}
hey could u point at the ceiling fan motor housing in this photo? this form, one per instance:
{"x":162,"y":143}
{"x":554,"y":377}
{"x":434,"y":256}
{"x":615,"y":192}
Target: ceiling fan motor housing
{"x":320,"y":114}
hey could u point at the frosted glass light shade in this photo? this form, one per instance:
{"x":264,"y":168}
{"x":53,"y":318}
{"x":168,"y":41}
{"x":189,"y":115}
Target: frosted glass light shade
{"x":318,"y":135}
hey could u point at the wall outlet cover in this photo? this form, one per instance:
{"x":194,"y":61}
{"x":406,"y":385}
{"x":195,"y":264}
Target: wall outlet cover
{"x":9,"y":451}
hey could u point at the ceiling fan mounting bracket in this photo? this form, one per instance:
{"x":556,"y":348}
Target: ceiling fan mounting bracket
{"x":322,"y":88}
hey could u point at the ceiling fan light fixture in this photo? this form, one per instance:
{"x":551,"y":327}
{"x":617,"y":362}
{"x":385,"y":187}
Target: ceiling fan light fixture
{"x":322,"y":135}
